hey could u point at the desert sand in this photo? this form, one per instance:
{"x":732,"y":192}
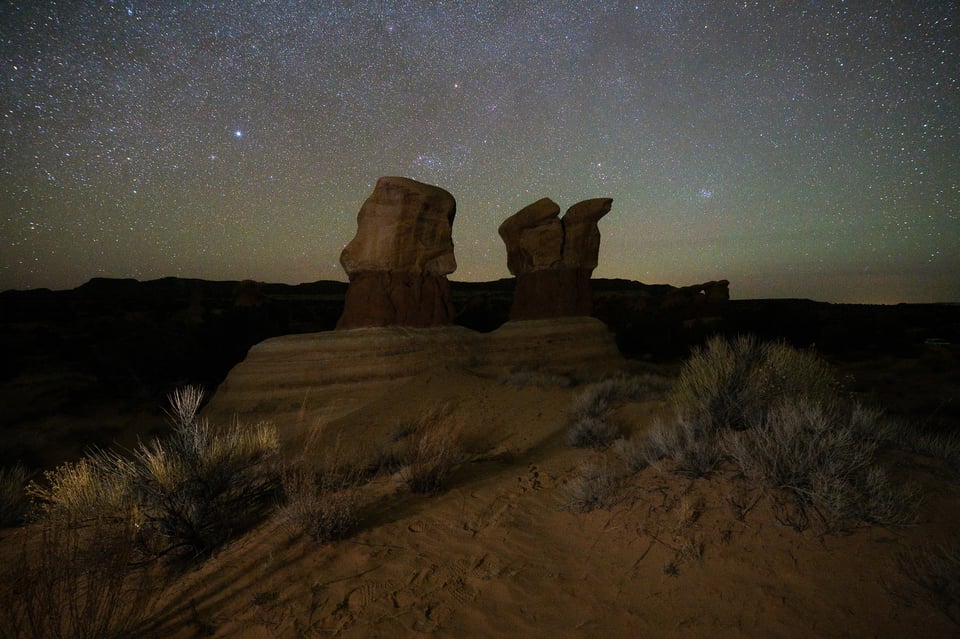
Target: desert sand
{"x":498,"y":553}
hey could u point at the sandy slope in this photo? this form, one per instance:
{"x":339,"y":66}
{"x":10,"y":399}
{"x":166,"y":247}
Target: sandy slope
{"x":497,"y":555}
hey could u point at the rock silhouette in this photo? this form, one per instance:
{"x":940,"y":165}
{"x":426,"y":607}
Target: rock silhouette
{"x":706,"y":296}
{"x":553,"y":258}
{"x":399,"y":259}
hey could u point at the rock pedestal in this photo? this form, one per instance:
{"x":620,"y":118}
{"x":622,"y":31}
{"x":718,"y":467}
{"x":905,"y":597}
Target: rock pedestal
{"x":399,"y":259}
{"x":297,"y":381}
{"x":553,"y":258}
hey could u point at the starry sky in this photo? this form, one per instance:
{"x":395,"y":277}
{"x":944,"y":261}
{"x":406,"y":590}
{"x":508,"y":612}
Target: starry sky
{"x":797,"y":148}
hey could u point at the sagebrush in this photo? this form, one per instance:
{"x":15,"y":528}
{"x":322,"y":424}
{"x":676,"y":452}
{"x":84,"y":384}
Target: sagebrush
{"x":322,"y":499}
{"x":592,"y":424}
{"x":14,"y":501}
{"x":779,"y":416}
{"x":593,"y":485}
{"x":935,"y":570}
{"x":81,"y":582}
{"x":727,"y":383}
{"x":435,"y":449}
{"x":186,"y":493}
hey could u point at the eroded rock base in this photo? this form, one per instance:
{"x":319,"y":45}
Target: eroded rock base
{"x":382,"y":298}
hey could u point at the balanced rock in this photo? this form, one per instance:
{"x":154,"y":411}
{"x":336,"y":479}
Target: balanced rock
{"x":399,"y":259}
{"x":534,"y":237}
{"x":553,"y":258}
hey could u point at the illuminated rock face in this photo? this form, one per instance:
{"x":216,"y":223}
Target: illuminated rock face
{"x":304,"y":379}
{"x":399,"y":259}
{"x":553,"y":258}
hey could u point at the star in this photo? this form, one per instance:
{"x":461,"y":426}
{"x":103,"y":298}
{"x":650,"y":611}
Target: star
{"x":831,"y":126}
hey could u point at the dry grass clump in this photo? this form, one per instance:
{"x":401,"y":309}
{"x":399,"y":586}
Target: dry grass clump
{"x":635,"y":452}
{"x":435,"y":449}
{"x":319,"y":504}
{"x":93,"y":488}
{"x":77,"y":582}
{"x":526,"y":377}
{"x":591,"y":424}
{"x":779,"y":416}
{"x":322,"y":500}
{"x":685,"y":446}
{"x":14,"y":501}
{"x":594,"y":485}
{"x":83,"y":573}
{"x":819,"y":454}
{"x":728,"y":382}
{"x":592,"y":430}
{"x":936,"y":571}
{"x":937,"y":444}
{"x":186,"y":494}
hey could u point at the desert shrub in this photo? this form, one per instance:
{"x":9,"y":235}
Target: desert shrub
{"x":691,"y":447}
{"x":322,"y":497}
{"x":714,"y":382}
{"x":592,"y":431}
{"x":591,"y":425}
{"x":77,"y":581}
{"x":94,"y":488}
{"x":187,"y":493}
{"x":435,"y":449}
{"x":594,"y":485}
{"x":944,"y":445}
{"x":779,"y":416}
{"x":797,"y":443}
{"x":728,"y":382}
{"x":540,"y":379}
{"x":635,"y":452}
{"x":196,"y":488}
{"x":818,"y":454}
{"x":936,"y":571}
{"x":319,"y":504}
{"x":14,"y":501}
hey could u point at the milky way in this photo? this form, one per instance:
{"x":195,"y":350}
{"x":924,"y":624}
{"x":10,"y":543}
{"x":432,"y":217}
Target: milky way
{"x":799,"y":149}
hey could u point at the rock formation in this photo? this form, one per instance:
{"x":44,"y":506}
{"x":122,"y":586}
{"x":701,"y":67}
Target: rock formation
{"x":306,"y":378}
{"x":399,"y":259}
{"x":553,"y":258}
{"x":708,"y":296}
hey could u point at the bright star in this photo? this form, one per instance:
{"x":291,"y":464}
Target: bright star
{"x":238,"y":133}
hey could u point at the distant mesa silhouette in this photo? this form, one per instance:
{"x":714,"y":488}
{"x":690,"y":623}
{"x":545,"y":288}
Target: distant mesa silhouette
{"x":553,"y":258}
{"x":709,"y":296}
{"x":399,"y":260}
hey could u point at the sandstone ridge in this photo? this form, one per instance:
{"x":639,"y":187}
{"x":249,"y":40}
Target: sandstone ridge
{"x":298,"y":381}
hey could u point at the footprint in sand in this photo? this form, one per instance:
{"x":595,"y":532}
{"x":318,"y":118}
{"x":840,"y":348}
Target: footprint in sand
{"x":418,"y":526}
{"x":491,"y":514}
{"x":446,"y":580}
{"x":368,"y":593}
{"x":531,"y":481}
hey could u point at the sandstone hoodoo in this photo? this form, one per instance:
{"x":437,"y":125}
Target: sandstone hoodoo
{"x":399,"y":260}
{"x":553,"y":258}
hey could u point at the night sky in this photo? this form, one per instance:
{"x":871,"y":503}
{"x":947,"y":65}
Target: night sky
{"x":798,"y":149}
